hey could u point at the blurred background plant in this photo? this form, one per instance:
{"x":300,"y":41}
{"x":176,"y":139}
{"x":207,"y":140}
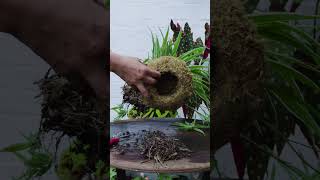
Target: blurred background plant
{"x":35,"y":157}
{"x":292,"y":96}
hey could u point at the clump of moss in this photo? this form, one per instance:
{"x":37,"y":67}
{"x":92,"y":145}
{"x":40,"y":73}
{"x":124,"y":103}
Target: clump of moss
{"x":174,"y":85}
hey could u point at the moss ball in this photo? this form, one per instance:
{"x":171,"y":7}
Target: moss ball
{"x":173,"y":87}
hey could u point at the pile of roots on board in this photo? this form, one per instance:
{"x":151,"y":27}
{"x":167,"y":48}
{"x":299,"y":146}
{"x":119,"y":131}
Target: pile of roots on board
{"x":156,"y":145}
{"x":68,"y":107}
{"x":153,"y":145}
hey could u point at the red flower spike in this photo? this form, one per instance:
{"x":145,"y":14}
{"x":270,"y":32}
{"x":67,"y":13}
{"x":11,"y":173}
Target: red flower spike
{"x":207,"y":41}
{"x":114,"y":141}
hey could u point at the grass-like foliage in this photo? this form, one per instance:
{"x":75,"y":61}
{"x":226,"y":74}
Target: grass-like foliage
{"x":36,"y":159}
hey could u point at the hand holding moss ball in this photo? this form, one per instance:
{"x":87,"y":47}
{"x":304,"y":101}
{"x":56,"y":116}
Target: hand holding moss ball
{"x":134,"y":72}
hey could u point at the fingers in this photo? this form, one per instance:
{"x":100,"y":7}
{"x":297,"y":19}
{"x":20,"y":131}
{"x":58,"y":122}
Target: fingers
{"x":153,"y":73}
{"x":142,"y":89}
{"x":149,"y":80}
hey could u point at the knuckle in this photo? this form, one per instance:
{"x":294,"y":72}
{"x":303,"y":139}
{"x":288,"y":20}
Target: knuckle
{"x":140,"y":73}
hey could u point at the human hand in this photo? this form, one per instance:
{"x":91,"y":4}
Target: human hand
{"x":74,"y":42}
{"x":134,"y":72}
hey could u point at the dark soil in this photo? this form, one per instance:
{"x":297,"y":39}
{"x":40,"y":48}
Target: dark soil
{"x":131,"y":95}
{"x":167,"y":83}
{"x":67,"y":107}
{"x":152,"y":145}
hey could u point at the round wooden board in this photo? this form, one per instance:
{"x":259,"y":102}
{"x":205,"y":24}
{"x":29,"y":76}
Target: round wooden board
{"x":133,"y":161}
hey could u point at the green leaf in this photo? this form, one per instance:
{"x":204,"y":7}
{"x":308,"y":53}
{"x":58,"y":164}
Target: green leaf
{"x":158,"y":52}
{"x":21,"y":157}
{"x":199,"y":130}
{"x":158,"y":113}
{"x":152,"y":114}
{"x":293,"y":36}
{"x":291,"y":60}
{"x":278,"y":66}
{"x":176,"y":44}
{"x":305,"y":36}
{"x":165,"y":114}
{"x":148,"y":113}
{"x":16,"y":147}
{"x":113,"y":173}
{"x":298,"y":109}
{"x":165,"y":43}
{"x":192,"y":54}
{"x":276,"y":17}
{"x":275,"y":33}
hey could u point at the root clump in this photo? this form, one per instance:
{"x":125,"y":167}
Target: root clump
{"x":153,"y":145}
{"x":156,"y":145}
{"x":68,"y":108}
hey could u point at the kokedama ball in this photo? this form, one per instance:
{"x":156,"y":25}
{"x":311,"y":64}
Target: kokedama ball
{"x":173,"y":87}
{"x":237,"y":75}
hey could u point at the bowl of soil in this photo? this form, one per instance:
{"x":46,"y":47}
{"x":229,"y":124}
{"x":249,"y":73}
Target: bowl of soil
{"x":156,"y":145}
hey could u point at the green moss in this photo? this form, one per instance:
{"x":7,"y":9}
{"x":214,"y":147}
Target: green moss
{"x":237,"y":70}
{"x":239,"y":55}
{"x":168,"y":94}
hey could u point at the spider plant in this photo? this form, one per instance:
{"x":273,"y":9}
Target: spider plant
{"x":191,"y":126}
{"x":120,"y":110}
{"x":36,"y":159}
{"x":151,"y":113}
{"x":112,"y":173}
{"x":200,"y":72}
{"x":289,"y":78}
